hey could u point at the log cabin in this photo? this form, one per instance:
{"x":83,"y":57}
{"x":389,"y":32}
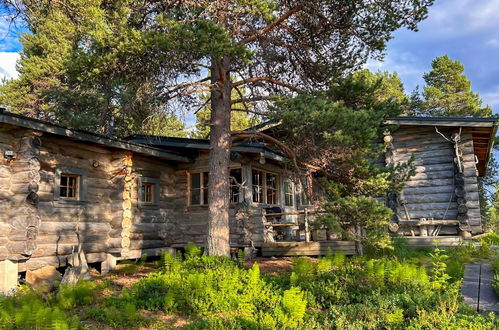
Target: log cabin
{"x":118,"y":199}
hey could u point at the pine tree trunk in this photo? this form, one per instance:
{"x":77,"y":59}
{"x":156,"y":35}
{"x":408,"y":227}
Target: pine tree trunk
{"x":217,"y":238}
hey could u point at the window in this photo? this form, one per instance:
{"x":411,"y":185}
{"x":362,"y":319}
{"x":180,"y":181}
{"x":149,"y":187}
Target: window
{"x":149,"y":192}
{"x":199,"y":188}
{"x":70,"y":185}
{"x":198,"y":193}
{"x":265,"y":187}
{"x":288,"y":193}
{"x":302,"y":195}
{"x":236,"y":179}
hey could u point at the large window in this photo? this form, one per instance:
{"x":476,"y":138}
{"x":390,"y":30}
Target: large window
{"x":70,"y":185}
{"x":199,"y":187}
{"x":288,"y":193}
{"x":265,"y":187}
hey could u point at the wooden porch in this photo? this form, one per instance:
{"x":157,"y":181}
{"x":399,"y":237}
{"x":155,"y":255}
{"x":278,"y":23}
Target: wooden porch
{"x":281,"y":249}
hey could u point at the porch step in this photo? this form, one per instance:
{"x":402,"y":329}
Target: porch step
{"x":432,"y":241}
{"x":307,"y":248}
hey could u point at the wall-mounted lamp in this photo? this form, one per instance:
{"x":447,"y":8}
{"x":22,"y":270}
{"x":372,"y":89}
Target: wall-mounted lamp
{"x":95,"y":163}
{"x":388,"y":138}
{"x":262,"y":158}
{"x":9,"y":155}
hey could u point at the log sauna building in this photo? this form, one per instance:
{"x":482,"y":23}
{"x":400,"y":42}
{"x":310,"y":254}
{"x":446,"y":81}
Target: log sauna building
{"x":119,"y":199}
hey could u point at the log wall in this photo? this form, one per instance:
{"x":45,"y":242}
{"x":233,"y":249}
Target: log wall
{"x":438,"y":189}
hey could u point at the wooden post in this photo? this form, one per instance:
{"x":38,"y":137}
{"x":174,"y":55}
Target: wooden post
{"x":109,"y":264}
{"x":8,"y":276}
{"x":307,"y":230}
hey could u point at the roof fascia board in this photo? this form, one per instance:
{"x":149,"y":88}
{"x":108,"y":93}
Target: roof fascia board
{"x":87,"y":137}
{"x":446,"y":123}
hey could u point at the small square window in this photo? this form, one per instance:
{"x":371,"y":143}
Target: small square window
{"x":69,"y":186}
{"x":149,"y":193}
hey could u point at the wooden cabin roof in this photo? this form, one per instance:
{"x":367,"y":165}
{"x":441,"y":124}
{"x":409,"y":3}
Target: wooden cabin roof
{"x":16,"y":120}
{"x":186,"y":145}
{"x":483,"y":131}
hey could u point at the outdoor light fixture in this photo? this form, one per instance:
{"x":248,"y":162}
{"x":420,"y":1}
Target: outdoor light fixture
{"x":262,"y":158}
{"x":95,"y":163}
{"x":388,"y":137}
{"x":9,"y":155}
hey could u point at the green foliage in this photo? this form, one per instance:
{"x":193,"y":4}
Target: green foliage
{"x":80,"y":294}
{"x":338,"y":133}
{"x":27,"y":310}
{"x":448,"y":92}
{"x":117,"y":315}
{"x":192,"y":251}
{"x":439,"y":276}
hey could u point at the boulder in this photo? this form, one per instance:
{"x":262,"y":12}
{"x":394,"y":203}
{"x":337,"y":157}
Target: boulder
{"x":43,"y":278}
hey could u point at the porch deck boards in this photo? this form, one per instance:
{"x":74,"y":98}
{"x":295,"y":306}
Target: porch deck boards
{"x":432,"y":241}
{"x":281,"y":249}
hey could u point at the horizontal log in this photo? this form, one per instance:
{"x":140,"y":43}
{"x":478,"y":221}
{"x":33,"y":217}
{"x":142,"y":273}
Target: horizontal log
{"x":140,"y":244}
{"x":431,"y":206}
{"x":435,"y":214}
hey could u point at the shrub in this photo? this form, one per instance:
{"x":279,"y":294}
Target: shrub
{"x":26,"y":310}
{"x":76,"y":295}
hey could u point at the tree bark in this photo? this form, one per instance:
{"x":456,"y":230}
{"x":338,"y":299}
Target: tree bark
{"x":217,"y":238}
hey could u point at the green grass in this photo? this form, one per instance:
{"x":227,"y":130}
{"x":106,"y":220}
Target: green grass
{"x":404,"y":288}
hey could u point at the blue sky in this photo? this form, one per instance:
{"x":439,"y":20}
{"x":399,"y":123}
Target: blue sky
{"x":466,"y":30}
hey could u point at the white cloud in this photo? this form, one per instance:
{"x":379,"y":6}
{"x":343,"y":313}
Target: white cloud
{"x":8,"y":65}
{"x":453,"y":18}
{"x":491,"y":97}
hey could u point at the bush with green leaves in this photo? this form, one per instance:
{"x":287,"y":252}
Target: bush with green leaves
{"x":27,"y":310}
{"x":208,"y":286}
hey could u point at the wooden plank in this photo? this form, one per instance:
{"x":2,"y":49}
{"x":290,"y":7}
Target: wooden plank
{"x":470,"y":286}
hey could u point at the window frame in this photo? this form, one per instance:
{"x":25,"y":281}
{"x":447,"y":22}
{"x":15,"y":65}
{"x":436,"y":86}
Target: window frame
{"x":81,"y":195}
{"x":202,"y":188}
{"x":264,"y":187}
{"x":154,"y":205}
{"x":241,"y":191}
{"x":290,"y":194}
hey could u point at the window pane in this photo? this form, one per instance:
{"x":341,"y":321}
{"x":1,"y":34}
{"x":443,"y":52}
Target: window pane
{"x":271,"y":181}
{"x":196,"y":197}
{"x":257,"y":177}
{"x":64,"y":180}
{"x":288,"y":193}
{"x":64,"y":192}
{"x":205,"y":179}
{"x":195,"y":181}
{"x":235,"y":182}
{"x":205,"y":196}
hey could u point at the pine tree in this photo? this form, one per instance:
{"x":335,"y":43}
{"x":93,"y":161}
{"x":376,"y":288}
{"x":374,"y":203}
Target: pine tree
{"x":448,"y":92}
{"x":274,"y":48}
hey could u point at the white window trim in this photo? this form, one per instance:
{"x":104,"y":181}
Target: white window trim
{"x":264,"y":182}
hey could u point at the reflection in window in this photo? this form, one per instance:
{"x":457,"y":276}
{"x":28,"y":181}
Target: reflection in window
{"x":199,"y":188}
{"x":235,"y":185}
{"x":69,"y":186}
{"x":288,"y":193}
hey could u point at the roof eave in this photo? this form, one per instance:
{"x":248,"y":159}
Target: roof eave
{"x":25,"y":122}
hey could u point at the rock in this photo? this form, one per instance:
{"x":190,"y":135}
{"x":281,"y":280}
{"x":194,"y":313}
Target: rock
{"x":43,"y":278}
